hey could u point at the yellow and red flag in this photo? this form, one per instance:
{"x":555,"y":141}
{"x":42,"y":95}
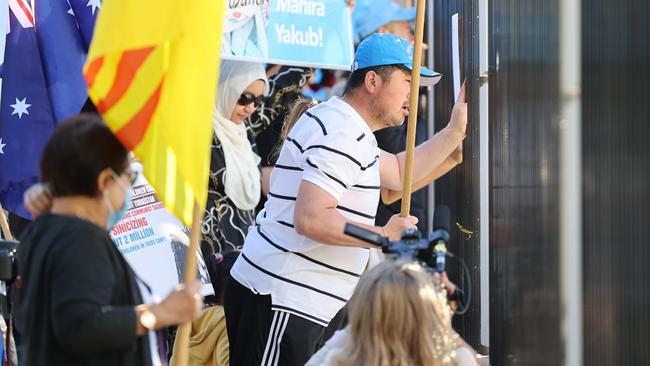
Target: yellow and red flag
{"x":152,"y":71}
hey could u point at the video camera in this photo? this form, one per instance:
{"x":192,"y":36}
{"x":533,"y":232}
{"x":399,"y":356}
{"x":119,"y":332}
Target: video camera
{"x":7,"y":260}
{"x":429,"y":252}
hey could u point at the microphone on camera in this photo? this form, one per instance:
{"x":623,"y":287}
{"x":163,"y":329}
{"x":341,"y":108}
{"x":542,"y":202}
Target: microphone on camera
{"x":440,"y":236}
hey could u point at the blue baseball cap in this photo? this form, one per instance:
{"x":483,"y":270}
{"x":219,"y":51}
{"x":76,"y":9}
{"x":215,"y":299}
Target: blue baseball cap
{"x":382,"y":49}
{"x":370,"y":15}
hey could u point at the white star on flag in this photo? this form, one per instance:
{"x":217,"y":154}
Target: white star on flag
{"x":95,"y":4}
{"x":2,"y":146}
{"x":20,"y":107}
{"x":70,"y":11}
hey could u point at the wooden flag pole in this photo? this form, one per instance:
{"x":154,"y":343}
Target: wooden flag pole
{"x":183,"y":334}
{"x":413,"y":109}
{"x":6,"y":232}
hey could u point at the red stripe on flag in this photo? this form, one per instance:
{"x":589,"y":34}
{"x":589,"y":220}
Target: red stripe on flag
{"x":93,"y":70}
{"x":27,"y":11}
{"x":128,"y":66}
{"x":132,"y":132}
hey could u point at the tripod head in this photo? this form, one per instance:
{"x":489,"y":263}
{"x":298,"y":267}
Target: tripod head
{"x":430,"y":252}
{"x":411,"y":246}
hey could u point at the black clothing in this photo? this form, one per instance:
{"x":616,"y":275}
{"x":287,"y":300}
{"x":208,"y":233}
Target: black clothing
{"x":267,"y":121}
{"x":224,"y":225}
{"x":393,"y":140}
{"x":76,"y":304}
{"x":265,"y":336}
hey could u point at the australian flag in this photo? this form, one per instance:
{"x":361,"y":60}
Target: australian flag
{"x":42,"y":84}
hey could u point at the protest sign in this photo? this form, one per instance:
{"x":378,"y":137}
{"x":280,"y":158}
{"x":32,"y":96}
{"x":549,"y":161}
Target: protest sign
{"x":154,"y":241}
{"x":314,"y":33}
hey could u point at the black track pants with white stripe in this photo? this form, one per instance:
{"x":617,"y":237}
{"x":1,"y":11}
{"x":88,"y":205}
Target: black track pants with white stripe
{"x":261,"y":336}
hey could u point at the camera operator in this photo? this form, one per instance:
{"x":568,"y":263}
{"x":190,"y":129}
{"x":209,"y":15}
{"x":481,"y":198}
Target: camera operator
{"x":454,"y":293}
{"x":398,"y":315}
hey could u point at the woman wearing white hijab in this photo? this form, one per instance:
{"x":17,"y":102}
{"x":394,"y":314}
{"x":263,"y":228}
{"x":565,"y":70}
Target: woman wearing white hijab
{"x":234,"y":187}
{"x":233,"y":193}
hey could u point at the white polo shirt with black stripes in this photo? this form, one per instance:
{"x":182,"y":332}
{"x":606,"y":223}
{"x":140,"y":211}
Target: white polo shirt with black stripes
{"x":332,"y":147}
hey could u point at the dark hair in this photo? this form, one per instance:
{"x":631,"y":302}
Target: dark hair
{"x":297,"y":109}
{"x":76,"y":152}
{"x":358,"y":77}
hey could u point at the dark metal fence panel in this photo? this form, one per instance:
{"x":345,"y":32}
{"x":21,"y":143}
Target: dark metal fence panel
{"x":616,"y":185}
{"x":460,"y":189}
{"x":524,"y":183}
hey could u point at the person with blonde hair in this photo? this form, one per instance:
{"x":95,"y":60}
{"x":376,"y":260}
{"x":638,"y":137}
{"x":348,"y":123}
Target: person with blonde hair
{"x":398,"y":315}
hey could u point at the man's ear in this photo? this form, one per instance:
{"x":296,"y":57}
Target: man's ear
{"x":371,"y":82}
{"x":104,"y":177}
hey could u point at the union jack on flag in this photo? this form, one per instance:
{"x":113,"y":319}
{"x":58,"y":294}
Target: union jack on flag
{"x":42,"y":84}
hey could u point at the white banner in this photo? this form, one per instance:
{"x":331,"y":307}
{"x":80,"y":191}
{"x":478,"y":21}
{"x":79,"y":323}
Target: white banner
{"x":154,"y":241}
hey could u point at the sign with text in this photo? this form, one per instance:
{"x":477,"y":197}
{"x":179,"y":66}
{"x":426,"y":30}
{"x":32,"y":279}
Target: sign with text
{"x":154,"y":241}
{"x":314,"y":33}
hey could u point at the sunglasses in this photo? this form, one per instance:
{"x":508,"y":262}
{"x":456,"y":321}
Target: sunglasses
{"x":247,"y":98}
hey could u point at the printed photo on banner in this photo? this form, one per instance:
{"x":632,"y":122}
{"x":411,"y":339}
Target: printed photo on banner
{"x":289,"y":32}
{"x":154,"y":241}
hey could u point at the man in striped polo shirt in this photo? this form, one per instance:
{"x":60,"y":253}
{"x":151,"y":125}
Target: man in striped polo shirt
{"x":297,"y":268}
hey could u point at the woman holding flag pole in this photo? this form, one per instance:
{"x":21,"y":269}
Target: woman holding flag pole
{"x":80,"y":302}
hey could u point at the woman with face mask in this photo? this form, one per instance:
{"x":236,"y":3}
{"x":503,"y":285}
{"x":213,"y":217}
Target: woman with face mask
{"x":80,"y":303}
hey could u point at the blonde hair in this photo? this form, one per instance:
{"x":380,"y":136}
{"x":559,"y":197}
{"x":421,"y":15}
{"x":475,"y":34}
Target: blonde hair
{"x":297,"y":109}
{"x":398,"y":317}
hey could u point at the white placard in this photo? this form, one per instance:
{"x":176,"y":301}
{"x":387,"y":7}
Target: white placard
{"x":154,"y":241}
{"x":455,"y":54}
